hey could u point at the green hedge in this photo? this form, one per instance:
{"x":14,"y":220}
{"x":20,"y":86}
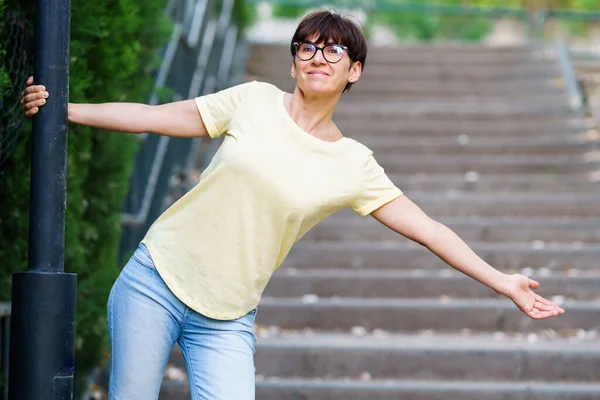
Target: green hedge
{"x":4,"y":78}
{"x":114,"y":47}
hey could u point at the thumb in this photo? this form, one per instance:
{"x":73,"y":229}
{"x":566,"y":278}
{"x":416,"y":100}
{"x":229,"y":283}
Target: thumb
{"x":533,"y":284}
{"x":30,"y":81}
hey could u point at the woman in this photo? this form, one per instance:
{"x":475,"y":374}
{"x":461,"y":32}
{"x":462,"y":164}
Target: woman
{"x":198,"y":274}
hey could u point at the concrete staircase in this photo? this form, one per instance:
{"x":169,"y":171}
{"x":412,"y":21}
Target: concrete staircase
{"x":483,"y":140}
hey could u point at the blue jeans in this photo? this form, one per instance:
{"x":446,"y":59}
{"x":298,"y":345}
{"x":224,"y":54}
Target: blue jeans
{"x":145,"y":319}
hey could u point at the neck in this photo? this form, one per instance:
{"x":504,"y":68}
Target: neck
{"x":313,"y":113}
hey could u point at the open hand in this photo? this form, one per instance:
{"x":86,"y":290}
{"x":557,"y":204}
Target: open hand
{"x":33,"y":97}
{"x":535,"y":306}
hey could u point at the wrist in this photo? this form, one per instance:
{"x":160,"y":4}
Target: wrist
{"x":504,"y":285}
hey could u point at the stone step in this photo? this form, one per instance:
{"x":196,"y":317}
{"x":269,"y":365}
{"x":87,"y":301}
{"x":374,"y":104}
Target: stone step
{"x":361,"y":96}
{"x":489,"y":163}
{"x":280,"y":71}
{"x":457,"y":149}
{"x":543,"y":89}
{"x":389,"y":106}
{"x":390,"y":389}
{"x":368,"y":127}
{"x":464,"y":117}
{"x":430,"y":357}
{"x":496,"y":182}
{"x":567,"y":141}
{"x":431,"y":93}
{"x":464,"y":145}
{"x":450,"y":360}
{"x":411,"y":315}
{"x":312,"y":284}
{"x":377,"y":141}
{"x":376,"y":85}
{"x":404,"y":254}
{"x":463,"y":86}
{"x":175,"y":391}
{"x":472,"y":111}
{"x":476,"y":229}
{"x":407,"y":55}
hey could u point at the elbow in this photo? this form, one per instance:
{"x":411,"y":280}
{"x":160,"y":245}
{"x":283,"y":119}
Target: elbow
{"x":146,"y":119}
{"x":428,"y":234}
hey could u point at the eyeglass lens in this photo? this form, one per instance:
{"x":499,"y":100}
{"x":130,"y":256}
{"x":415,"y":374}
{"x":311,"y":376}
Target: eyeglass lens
{"x":332,"y":52}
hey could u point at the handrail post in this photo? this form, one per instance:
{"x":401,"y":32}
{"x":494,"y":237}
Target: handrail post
{"x":569,"y":75}
{"x":539,"y":19}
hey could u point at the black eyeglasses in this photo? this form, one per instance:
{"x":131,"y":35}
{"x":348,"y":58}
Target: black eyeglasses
{"x":332,"y":53}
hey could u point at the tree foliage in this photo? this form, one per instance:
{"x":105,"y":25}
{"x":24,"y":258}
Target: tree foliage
{"x":417,"y":25}
{"x":113,"y":54}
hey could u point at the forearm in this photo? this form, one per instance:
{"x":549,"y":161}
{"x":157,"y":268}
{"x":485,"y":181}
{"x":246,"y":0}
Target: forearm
{"x":453,"y":250}
{"x":121,"y":117}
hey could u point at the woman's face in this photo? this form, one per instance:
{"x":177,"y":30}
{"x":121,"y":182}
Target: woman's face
{"x":319,"y":76}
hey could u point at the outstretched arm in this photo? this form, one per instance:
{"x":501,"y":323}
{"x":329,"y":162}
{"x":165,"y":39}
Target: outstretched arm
{"x":406,"y":218}
{"x":180,"y":118}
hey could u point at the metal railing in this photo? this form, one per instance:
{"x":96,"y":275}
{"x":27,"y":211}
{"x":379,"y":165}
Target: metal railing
{"x":4,"y":348}
{"x":541,"y":18}
{"x":574,"y":92}
{"x":568,"y":56}
{"x":197,"y":60}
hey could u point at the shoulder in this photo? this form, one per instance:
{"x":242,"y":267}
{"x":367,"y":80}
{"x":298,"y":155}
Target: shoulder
{"x":357,"y":150}
{"x":258,"y":87}
{"x":253,"y":92}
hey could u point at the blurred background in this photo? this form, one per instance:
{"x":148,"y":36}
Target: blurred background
{"x":484,"y":112}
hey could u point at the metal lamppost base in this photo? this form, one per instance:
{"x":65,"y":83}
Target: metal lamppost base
{"x":42,"y":336}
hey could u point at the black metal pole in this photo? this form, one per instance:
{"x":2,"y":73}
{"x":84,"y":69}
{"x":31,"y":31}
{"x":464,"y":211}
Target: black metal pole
{"x":43,"y":302}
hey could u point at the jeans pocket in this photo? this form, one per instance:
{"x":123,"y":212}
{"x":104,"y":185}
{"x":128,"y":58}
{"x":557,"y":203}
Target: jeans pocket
{"x":142,"y":256}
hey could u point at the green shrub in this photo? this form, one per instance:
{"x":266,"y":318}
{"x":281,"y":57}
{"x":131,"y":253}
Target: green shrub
{"x":5,"y":81}
{"x":113,"y":51}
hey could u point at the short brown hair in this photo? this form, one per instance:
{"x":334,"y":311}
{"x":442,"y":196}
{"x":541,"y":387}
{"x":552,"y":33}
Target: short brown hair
{"x":329,"y":26}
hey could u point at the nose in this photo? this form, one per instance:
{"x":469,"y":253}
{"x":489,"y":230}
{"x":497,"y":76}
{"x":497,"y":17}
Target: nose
{"x":319,"y":57}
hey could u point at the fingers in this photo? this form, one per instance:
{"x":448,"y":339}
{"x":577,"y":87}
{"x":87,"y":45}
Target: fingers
{"x":32,"y":112}
{"x":543,"y":308}
{"x":537,"y":314}
{"x":32,"y":90}
{"x":30,"y":107}
{"x":542,"y":300}
{"x":32,"y":98}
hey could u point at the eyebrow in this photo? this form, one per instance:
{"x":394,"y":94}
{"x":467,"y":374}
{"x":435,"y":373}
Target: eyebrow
{"x":324,"y":44}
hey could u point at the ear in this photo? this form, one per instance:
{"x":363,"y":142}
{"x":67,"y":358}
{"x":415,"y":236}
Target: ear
{"x":293,"y":70}
{"x":355,"y":72}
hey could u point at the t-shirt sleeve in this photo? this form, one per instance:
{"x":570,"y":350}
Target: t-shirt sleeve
{"x":218,"y":109}
{"x":376,"y":189}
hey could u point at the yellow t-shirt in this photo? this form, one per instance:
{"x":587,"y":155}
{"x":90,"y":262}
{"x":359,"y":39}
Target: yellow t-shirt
{"x":268,"y":184}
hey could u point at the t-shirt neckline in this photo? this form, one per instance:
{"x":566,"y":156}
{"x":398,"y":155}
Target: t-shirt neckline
{"x":298,"y":129}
